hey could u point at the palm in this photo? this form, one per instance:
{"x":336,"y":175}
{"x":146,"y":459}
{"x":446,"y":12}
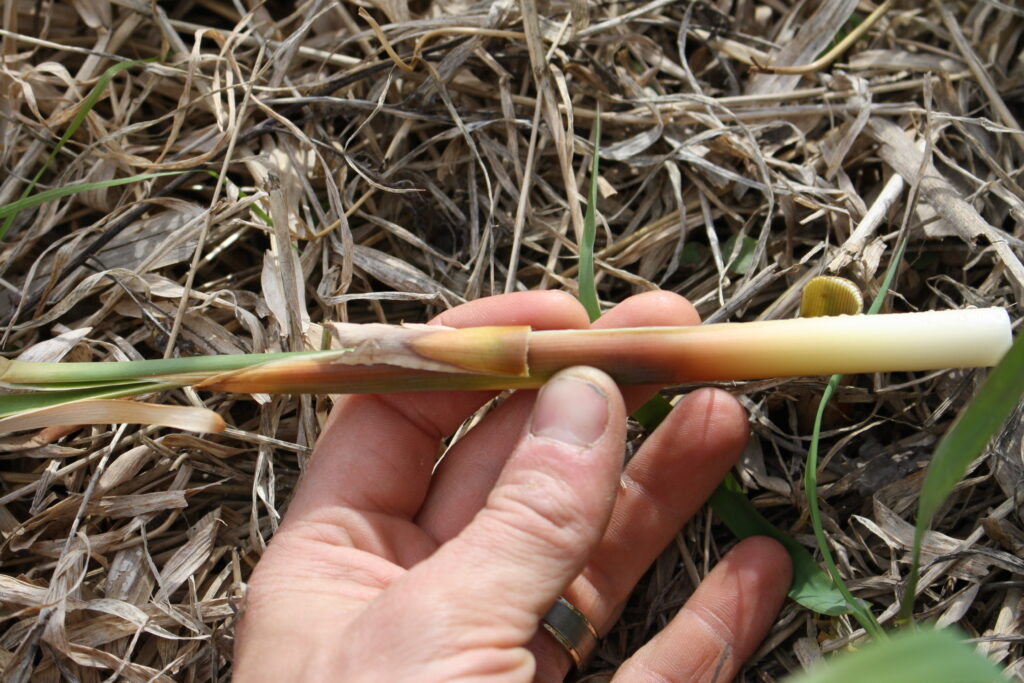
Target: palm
{"x":381,"y":554}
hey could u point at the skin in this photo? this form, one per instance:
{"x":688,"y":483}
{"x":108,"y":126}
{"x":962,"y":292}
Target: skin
{"x":384,"y":569}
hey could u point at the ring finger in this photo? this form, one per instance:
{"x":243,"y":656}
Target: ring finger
{"x":670,"y":477}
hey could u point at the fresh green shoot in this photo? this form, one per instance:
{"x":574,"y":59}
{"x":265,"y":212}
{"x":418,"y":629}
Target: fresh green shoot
{"x":966,"y":440}
{"x":855,"y":20}
{"x":740,"y":253}
{"x":860,"y":611}
{"x":811,"y":587}
{"x":587,"y":285}
{"x":857,"y":607}
{"x":255,"y":208}
{"x":918,"y":655}
{"x":11,"y":210}
{"x":87,"y":105}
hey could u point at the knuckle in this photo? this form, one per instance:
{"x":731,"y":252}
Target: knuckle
{"x":542,"y":511}
{"x":719,"y":630}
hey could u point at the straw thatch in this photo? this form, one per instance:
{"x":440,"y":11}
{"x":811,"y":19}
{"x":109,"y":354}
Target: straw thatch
{"x":443,"y":159}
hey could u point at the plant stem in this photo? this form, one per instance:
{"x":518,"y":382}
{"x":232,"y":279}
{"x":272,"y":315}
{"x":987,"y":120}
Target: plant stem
{"x":863,"y":614}
{"x":379,"y":358}
{"x":779,"y":348}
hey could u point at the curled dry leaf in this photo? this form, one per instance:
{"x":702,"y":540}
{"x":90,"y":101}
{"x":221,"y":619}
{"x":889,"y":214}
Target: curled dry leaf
{"x":116,"y":412}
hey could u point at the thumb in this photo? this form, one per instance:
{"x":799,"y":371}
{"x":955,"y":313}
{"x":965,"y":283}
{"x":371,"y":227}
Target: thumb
{"x":543,"y":518}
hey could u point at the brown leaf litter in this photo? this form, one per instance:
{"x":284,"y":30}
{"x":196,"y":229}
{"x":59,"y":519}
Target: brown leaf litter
{"x":395,"y":193}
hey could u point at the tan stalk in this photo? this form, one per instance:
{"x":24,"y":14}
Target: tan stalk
{"x":499,"y":358}
{"x":387,"y":358}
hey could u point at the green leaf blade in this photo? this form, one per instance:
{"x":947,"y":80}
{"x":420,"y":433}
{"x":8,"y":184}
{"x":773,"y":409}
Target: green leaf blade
{"x":740,"y":253}
{"x":912,"y":655}
{"x":811,"y":587}
{"x":14,"y":404}
{"x":967,"y":438}
{"x":998,"y":396}
{"x":78,"y":375}
{"x":586,"y":279}
{"x":87,"y":105}
{"x":12,"y":209}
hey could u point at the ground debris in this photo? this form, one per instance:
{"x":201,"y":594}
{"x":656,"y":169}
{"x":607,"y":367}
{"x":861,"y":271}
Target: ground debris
{"x":316,"y":180}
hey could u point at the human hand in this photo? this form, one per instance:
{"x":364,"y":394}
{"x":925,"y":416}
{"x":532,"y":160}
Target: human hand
{"x":385,"y":570}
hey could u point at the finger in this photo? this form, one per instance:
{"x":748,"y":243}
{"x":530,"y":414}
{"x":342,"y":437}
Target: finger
{"x":722,"y":624}
{"x":665,"y":483}
{"x":490,"y":584}
{"x":470,"y":468}
{"x":376,"y":453}
{"x":650,"y":309}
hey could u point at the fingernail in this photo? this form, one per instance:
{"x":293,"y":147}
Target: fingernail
{"x":570,"y":409}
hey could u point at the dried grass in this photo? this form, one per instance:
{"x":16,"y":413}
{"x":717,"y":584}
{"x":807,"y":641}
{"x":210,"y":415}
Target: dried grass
{"x":125,"y":551}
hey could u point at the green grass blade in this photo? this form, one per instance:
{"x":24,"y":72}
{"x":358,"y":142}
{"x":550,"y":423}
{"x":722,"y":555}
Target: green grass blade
{"x":12,"y":209}
{"x":87,"y":105}
{"x":255,"y":208}
{"x":59,"y":383}
{"x":67,"y":375}
{"x":652,"y":413}
{"x":811,"y":587}
{"x":587,"y":286}
{"x":855,"y":20}
{"x":913,"y":655}
{"x":860,"y":610}
{"x":965,"y":441}
{"x":13,"y":404}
